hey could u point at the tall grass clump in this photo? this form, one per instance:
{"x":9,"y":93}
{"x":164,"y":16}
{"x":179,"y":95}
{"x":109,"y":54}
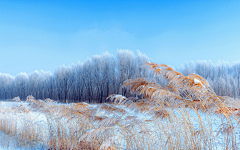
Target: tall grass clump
{"x":183,"y":114}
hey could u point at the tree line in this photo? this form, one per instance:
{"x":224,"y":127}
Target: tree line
{"x":91,"y":81}
{"x":223,"y":77}
{"x":96,"y":78}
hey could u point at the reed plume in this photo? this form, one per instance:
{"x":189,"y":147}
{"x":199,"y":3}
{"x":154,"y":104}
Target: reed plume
{"x":192,"y":90}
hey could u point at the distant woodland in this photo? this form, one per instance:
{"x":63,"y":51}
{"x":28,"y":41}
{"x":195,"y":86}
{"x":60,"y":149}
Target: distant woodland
{"x":96,"y":78}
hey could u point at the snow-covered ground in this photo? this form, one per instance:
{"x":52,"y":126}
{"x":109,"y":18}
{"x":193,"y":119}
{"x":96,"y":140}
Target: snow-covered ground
{"x":213,"y":131}
{"x":11,"y":114}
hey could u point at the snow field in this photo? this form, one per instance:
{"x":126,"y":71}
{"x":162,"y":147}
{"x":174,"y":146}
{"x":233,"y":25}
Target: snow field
{"x":43,"y":125}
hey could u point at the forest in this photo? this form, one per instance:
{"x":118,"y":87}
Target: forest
{"x":98,"y":77}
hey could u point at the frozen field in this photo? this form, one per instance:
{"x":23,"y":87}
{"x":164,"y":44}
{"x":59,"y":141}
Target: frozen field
{"x":40,"y":125}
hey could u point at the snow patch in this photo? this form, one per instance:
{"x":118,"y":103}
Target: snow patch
{"x":196,"y":81}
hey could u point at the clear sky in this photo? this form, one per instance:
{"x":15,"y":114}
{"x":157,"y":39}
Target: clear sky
{"x":45,"y":34}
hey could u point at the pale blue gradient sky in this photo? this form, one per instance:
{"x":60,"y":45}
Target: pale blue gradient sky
{"x":42,"y":35}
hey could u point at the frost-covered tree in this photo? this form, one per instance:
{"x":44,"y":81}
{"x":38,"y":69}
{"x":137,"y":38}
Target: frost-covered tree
{"x":141,"y":59}
{"x":5,"y":85}
{"x":21,"y":85}
{"x":126,"y":67}
{"x":102,"y":75}
{"x":223,"y":77}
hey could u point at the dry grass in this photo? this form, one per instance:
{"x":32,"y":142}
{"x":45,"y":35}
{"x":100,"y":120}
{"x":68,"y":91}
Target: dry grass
{"x":192,"y":90}
{"x":184,"y":114}
{"x":66,"y":127}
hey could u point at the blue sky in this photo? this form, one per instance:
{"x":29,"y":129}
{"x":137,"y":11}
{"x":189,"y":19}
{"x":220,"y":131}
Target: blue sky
{"x":45,"y":34}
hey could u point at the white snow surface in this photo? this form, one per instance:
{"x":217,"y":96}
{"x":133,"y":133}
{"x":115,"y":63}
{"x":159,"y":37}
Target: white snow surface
{"x":196,"y":81}
{"x":217,"y":122}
